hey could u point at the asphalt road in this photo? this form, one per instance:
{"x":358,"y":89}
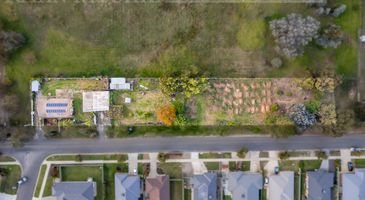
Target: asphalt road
{"x":32,"y":154}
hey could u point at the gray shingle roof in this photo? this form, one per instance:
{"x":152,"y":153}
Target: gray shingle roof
{"x":73,"y":191}
{"x":244,"y":186}
{"x":281,"y":186}
{"x":127,"y":187}
{"x":205,"y":186}
{"x":353,"y":185}
{"x":320,"y":183}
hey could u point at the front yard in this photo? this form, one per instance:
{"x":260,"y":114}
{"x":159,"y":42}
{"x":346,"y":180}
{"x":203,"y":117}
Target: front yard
{"x":10,"y":174}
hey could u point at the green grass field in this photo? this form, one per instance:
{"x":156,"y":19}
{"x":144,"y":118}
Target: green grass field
{"x":152,"y":39}
{"x":176,"y":190}
{"x":13,"y":173}
{"x":40,"y":180}
{"x":172,"y":169}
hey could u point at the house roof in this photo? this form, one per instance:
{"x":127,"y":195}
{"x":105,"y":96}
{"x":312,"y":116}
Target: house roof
{"x":320,"y":183}
{"x":353,"y":185}
{"x":281,"y":186}
{"x":73,"y":191}
{"x":95,"y":101}
{"x":158,"y":188}
{"x":127,"y":187}
{"x":244,"y":186}
{"x":54,"y":107}
{"x":205,"y":186}
{"x":119,"y":84}
{"x":35,"y":86}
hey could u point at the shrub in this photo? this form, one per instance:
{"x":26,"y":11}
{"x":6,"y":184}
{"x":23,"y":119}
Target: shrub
{"x":276,"y":62}
{"x":78,"y":158}
{"x":284,"y":155}
{"x":327,"y":112}
{"x":293,"y":32}
{"x":274,"y":107}
{"x":331,"y":36}
{"x":308,"y":84}
{"x":162,"y":157}
{"x":312,"y":106}
{"x":301,"y":117}
{"x":166,"y":114}
{"x":242,"y":152}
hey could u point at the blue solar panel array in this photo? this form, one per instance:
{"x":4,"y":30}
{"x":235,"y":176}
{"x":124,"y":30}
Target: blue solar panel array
{"x":55,"y":111}
{"x":56,"y":104}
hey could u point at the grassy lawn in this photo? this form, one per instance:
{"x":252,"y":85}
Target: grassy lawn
{"x":359,"y":163}
{"x":176,"y":190}
{"x":212,"y":166}
{"x":215,"y":155}
{"x":119,"y":157}
{"x":109,"y":171}
{"x":245,"y":166}
{"x":70,"y":132}
{"x":50,"y":87}
{"x":40,"y":180}
{"x":13,"y":173}
{"x":174,"y":170}
{"x":82,"y":173}
{"x":294,"y":165}
{"x":226,"y":197}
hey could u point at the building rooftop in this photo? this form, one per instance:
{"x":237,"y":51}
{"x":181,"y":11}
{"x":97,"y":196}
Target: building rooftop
{"x":119,"y":84}
{"x":245,"y":185}
{"x":127,"y":187}
{"x":73,"y":190}
{"x":281,"y":186}
{"x":353,"y":185}
{"x":54,"y":107}
{"x":158,"y":188}
{"x":319,"y":184}
{"x":95,"y":101}
{"x":204,"y":186}
{"x":35,"y":86}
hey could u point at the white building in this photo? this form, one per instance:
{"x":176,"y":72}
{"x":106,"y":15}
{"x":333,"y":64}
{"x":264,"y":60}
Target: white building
{"x":95,"y":101}
{"x":119,"y":84}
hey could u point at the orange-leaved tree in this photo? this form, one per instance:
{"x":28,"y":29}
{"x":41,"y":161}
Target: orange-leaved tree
{"x":166,"y":114}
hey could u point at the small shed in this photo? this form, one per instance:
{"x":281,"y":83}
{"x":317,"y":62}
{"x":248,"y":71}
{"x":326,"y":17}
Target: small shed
{"x":35,"y":86}
{"x":119,"y":84}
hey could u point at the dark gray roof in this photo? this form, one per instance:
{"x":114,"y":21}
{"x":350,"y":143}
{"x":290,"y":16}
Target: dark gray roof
{"x":320,"y":183}
{"x":127,"y":187}
{"x":205,"y":186}
{"x":244,"y":185}
{"x":73,"y":191}
{"x":353,"y":185}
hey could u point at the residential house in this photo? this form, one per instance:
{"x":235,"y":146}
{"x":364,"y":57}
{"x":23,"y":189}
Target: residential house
{"x":245,"y":185}
{"x":319,"y":185}
{"x":353,"y":185}
{"x":54,"y":108}
{"x":74,"y":190}
{"x":204,"y":186}
{"x":158,"y":188}
{"x":127,"y":187}
{"x":281,"y":186}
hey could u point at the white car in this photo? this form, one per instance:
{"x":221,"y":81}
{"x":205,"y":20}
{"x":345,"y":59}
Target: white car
{"x":362,"y":38}
{"x":22,"y":180}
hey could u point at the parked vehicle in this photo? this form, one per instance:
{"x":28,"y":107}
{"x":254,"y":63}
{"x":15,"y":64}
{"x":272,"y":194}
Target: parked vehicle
{"x":350,"y":166}
{"x":354,"y":149}
{"x":266,"y":181}
{"x":22,"y":180}
{"x":362,"y":38}
{"x":276,"y":170}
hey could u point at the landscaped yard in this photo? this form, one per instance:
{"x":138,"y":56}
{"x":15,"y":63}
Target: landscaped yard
{"x":40,"y":180}
{"x":109,"y":171}
{"x":212,"y":166}
{"x":176,"y":190}
{"x":50,"y":87}
{"x":242,"y":166}
{"x":294,"y":165}
{"x":215,"y":155}
{"x":82,"y":173}
{"x":118,"y":157}
{"x":12,"y":174}
{"x":359,"y":163}
{"x":174,"y":170}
